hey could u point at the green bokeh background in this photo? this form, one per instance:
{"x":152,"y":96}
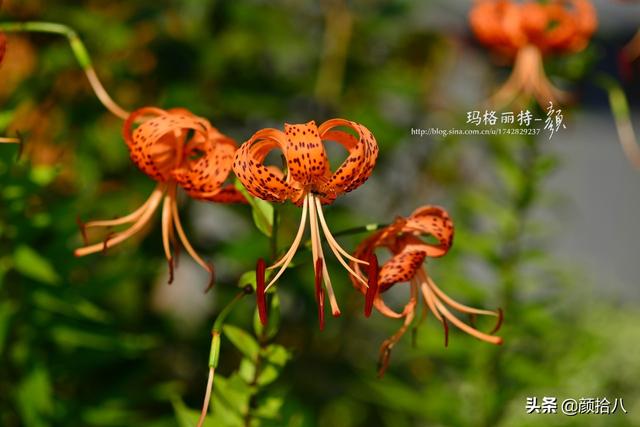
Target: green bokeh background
{"x":96,"y":342}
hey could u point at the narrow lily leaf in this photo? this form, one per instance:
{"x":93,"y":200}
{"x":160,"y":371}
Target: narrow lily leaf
{"x":275,"y":357}
{"x":270,"y":408}
{"x":231,"y":401}
{"x":7,"y":311}
{"x":261,"y":210}
{"x":242,"y":341}
{"x":31,"y":264}
{"x":34,"y":396}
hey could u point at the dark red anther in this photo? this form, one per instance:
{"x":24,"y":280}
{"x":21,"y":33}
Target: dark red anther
{"x":499,"y":323}
{"x":260,"y":291}
{"x":83,"y":230}
{"x":105,"y":243}
{"x":3,"y":46}
{"x":446,"y":332}
{"x":372,"y":290}
{"x":170,"y":264}
{"x":21,"y":144}
{"x":472,"y":319}
{"x":319,"y":292}
{"x":624,"y":66}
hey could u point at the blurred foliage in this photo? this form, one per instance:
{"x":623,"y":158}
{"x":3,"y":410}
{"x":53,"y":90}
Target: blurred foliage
{"x":102,"y":340}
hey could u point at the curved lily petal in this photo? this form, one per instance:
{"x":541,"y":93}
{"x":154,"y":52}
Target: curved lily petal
{"x":156,"y":147}
{"x":363,"y":153}
{"x":265,"y":182}
{"x":306,"y":158}
{"x":434,"y":221}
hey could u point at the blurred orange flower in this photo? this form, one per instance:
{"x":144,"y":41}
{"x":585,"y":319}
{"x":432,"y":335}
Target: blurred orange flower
{"x":176,"y":149}
{"x":403,"y":238}
{"x":525,"y":32}
{"x":309,"y":182}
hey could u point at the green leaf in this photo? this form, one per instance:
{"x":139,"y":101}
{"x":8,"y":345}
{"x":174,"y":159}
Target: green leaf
{"x":248,"y":278}
{"x":72,"y":337}
{"x":247,"y":370}
{"x":276,"y":355}
{"x":34,"y":396}
{"x":7,"y":311}
{"x":187,"y":417}
{"x":269,"y":408}
{"x":31,"y":264}
{"x":242,"y":341}
{"x":275,"y":358}
{"x":43,"y":175}
{"x":261,"y":210}
{"x":271,"y":329}
{"x":73,"y":307}
{"x":230,"y":401}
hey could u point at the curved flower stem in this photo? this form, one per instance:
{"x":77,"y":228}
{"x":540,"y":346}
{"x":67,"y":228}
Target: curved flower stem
{"x":362,"y":229}
{"x":79,"y":51}
{"x":509,"y":263}
{"x":622,"y":118}
{"x":337,"y":36}
{"x":214,"y":353}
{"x":274,"y":234}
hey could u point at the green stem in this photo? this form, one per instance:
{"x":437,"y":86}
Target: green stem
{"x":274,"y":234}
{"x":79,"y":51}
{"x":337,"y":36}
{"x":361,"y":229}
{"x":263,"y":340}
{"x":508,"y":262}
{"x":214,"y":352}
{"x":622,"y":117}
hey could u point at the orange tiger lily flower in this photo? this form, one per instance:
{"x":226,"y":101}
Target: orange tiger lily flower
{"x":176,"y":149}
{"x":308,"y":182}
{"x":403,"y":239}
{"x":526,"y":32}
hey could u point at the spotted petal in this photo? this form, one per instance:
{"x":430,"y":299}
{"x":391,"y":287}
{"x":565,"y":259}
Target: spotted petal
{"x":432,"y":221}
{"x":305,"y":154}
{"x":207,"y":165}
{"x":265,"y":182}
{"x":156,"y":147}
{"x":363,"y":153}
{"x":400,"y":268}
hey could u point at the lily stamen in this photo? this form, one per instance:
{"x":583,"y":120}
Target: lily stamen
{"x":317,"y":253}
{"x":6,"y":140}
{"x":288,"y":257}
{"x":138,"y":224}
